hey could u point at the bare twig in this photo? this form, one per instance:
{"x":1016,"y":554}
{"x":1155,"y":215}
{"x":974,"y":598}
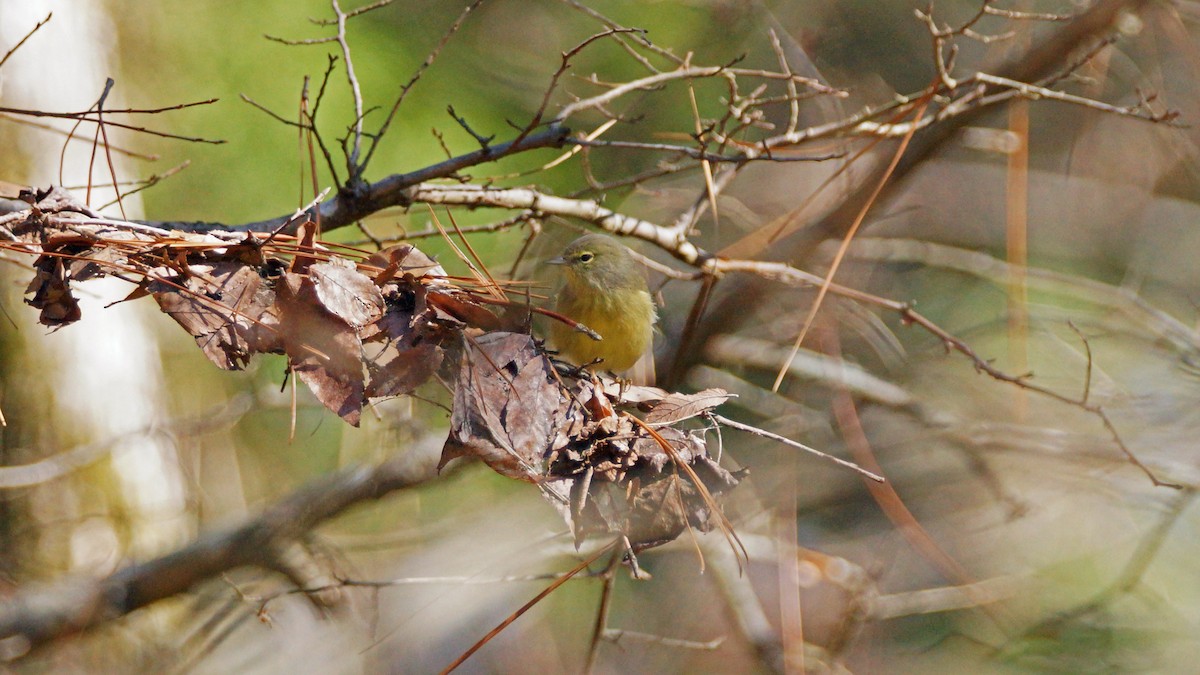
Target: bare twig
{"x":616,"y":635}
{"x":705,"y":156}
{"x":22,"y":41}
{"x":846,"y":239}
{"x":355,"y":92}
{"x":525,"y":608}
{"x":88,"y":116}
{"x":733,"y":424}
{"x":684,"y":73}
{"x":416,"y":77}
{"x":644,"y":41}
{"x":564,"y":64}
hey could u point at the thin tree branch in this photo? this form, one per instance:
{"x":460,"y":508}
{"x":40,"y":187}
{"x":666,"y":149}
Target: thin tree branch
{"x":36,"y":616}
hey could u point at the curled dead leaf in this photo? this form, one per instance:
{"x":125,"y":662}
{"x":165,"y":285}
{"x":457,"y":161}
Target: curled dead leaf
{"x":52,"y":295}
{"x":508,"y":406}
{"x":403,"y":370}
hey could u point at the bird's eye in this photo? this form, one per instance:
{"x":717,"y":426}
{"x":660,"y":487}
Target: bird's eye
{"x":586,"y":257}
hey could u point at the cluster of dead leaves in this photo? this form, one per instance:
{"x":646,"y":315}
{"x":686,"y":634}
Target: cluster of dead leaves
{"x":351,"y":331}
{"x":357,"y":327}
{"x":605,"y":471}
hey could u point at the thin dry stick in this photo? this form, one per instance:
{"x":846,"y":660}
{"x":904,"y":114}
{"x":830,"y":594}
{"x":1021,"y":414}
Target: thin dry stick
{"x":484,"y":278}
{"x":525,"y":608}
{"x":787,"y":441}
{"x":837,"y":260}
{"x":355,"y":90}
{"x":606,"y":593}
{"x":564,"y":64}
{"x":98,"y":108}
{"x":144,"y":183}
{"x":577,"y":146}
{"x":22,"y":41}
{"x":616,"y":635}
{"x":646,"y":43}
{"x":149,"y":157}
{"x":1087,"y":348}
{"x":112,"y":170}
{"x":85,"y":116}
{"x":909,"y":316}
{"x":793,"y":93}
{"x":1016,"y":235}
{"x":699,"y":307}
{"x":709,"y":188}
{"x":985,"y":366}
{"x":491,"y":286}
{"x":305,"y":136}
{"x":264,"y":600}
{"x":454,"y":27}
{"x":791,"y":616}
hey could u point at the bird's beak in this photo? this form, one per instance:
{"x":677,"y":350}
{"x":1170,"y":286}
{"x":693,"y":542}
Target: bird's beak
{"x":557,"y":261}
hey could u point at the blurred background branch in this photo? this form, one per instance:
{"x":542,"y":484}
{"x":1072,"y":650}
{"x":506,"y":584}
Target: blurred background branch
{"x":273,"y":540}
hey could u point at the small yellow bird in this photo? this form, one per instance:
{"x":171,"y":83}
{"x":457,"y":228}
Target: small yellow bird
{"x":604,"y":290}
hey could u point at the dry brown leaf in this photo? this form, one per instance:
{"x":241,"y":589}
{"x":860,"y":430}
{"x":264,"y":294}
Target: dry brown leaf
{"x":463,"y":307}
{"x":652,"y":503}
{"x":687,"y":445}
{"x":661,"y":511}
{"x":402,"y":371}
{"x":507,"y":406}
{"x":225,"y":306}
{"x":397,"y":261}
{"x":324,"y":350}
{"x":678,"y":407}
{"x":346,"y":293}
{"x":406,"y":318}
{"x":306,"y":237}
{"x":94,"y":263}
{"x":411,"y":338}
{"x":52,"y":293}
{"x":620,"y":480}
{"x":632,"y":393}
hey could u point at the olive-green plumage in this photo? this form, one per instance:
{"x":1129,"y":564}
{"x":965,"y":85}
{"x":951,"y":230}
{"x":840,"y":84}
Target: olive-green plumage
{"x":603,"y":289}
